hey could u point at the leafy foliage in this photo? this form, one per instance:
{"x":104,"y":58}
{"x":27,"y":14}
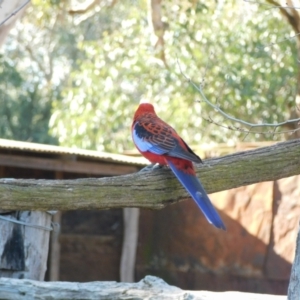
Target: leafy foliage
{"x":23,"y":115}
{"x":94,"y":68}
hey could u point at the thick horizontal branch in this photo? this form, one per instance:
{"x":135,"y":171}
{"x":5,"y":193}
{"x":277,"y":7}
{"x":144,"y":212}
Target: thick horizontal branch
{"x":149,"y":288}
{"x":152,"y":189}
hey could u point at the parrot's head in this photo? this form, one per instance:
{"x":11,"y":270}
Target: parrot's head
{"x":144,"y":108}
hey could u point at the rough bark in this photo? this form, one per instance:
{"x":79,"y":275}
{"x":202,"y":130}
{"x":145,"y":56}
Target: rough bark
{"x":149,"y":288}
{"x":153,"y":189}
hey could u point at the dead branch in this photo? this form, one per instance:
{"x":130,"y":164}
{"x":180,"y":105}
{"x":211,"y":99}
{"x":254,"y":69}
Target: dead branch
{"x":227,"y":116}
{"x":247,"y":132}
{"x":148,"y":288}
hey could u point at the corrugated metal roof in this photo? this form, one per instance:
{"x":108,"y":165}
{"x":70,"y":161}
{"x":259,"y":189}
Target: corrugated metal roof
{"x":217,"y":149}
{"x":205,"y":151}
{"x":43,"y":148}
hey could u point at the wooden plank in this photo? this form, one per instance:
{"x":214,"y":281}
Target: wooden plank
{"x":23,"y":249}
{"x":2,"y":171}
{"x":89,"y":257}
{"x":73,"y":166}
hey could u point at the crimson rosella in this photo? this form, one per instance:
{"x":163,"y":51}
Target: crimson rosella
{"x":160,"y":143}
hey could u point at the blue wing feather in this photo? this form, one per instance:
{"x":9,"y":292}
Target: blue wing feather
{"x":161,"y":143}
{"x":145,"y":145}
{"x":195,"y":189}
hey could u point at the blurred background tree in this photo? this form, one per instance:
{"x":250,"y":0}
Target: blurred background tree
{"x":73,"y":72}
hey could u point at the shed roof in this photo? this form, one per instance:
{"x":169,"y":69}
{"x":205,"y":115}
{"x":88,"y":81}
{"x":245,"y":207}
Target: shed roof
{"x":74,"y":160}
{"x":50,"y":149}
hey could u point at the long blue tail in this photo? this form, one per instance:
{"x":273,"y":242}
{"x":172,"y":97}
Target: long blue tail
{"x":195,"y":189}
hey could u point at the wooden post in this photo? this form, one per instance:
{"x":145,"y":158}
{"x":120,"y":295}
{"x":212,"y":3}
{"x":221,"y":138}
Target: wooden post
{"x":54,"y":255}
{"x":294,"y":290}
{"x":24,"y":249}
{"x":131,"y":232}
{"x":2,"y":175}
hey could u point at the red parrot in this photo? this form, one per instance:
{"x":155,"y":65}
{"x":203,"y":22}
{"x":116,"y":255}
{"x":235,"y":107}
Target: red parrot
{"x":160,"y":143}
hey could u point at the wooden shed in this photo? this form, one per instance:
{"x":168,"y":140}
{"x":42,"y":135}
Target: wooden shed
{"x":90,"y":242}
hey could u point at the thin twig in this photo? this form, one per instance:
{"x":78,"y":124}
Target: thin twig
{"x":14,"y":12}
{"x":248,"y":131}
{"x":272,"y":6}
{"x":277,"y":42}
{"x":218,"y":109}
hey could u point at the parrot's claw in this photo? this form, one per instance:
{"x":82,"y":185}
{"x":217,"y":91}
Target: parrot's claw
{"x":152,"y":167}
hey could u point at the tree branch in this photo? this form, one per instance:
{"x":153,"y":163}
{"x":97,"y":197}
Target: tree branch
{"x":153,"y":189}
{"x":159,"y":27}
{"x":288,"y":11}
{"x":227,"y":116}
{"x":85,"y":7}
{"x":14,"y":12}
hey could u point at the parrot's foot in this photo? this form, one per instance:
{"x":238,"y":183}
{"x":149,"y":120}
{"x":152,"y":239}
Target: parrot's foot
{"x":152,"y":167}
